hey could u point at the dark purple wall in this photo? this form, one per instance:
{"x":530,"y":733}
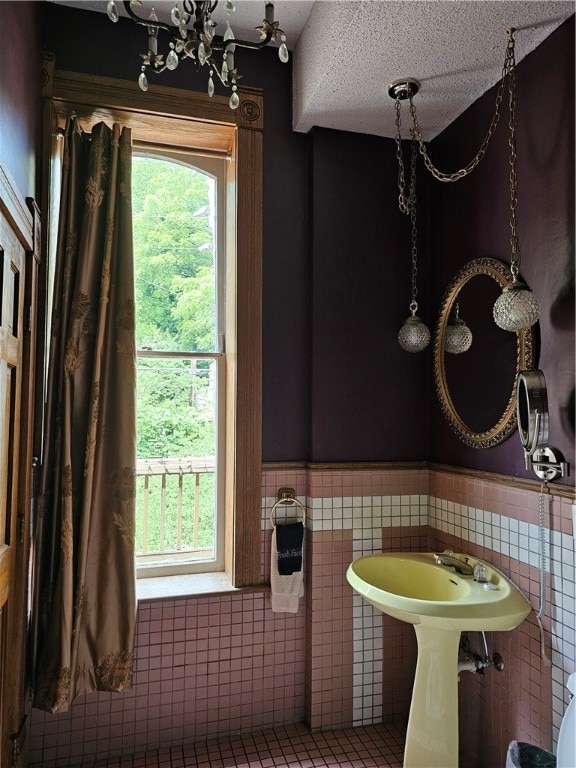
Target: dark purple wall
{"x":470,"y":219}
{"x":368,"y":397}
{"x":20,"y":96}
{"x":337,"y":387}
{"x":335,"y":380}
{"x":112,"y":50}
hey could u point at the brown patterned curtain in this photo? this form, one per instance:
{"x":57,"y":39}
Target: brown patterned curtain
{"x":84,"y":594}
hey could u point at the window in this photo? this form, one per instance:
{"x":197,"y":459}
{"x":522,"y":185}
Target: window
{"x":172,"y":120}
{"x":179,"y":264}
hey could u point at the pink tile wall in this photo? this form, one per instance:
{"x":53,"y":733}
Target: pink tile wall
{"x":329,"y":631}
{"x":515,"y":704}
{"x":216,"y":665}
{"x":499,"y":524}
{"x":204,"y":667}
{"x":367,"y":482}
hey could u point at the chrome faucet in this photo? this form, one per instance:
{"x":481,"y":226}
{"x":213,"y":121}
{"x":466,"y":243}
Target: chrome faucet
{"x":449,"y":559}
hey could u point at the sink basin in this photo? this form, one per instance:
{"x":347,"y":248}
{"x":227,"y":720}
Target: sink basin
{"x":440,"y":603}
{"x":412,"y":587}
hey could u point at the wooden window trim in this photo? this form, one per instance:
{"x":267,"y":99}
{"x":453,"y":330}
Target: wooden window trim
{"x":196,"y":121}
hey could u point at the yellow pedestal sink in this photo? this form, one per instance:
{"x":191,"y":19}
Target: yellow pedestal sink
{"x":440,"y":601}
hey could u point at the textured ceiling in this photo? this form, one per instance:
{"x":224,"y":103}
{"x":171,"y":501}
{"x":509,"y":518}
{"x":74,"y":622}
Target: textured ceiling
{"x":346,"y":53}
{"x":454,"y":49}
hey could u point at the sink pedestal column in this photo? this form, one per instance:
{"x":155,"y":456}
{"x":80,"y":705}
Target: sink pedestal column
{"x":432,"y":736}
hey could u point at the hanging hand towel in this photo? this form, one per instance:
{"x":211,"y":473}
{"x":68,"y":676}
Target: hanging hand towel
{"x":289,"y":539}
{"x":286,"y":581}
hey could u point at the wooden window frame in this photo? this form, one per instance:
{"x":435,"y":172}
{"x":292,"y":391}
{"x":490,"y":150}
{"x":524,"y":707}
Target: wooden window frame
{"x":195,"y":121}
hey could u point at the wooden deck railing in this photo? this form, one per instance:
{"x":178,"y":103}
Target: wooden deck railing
{"x":174,"y":507}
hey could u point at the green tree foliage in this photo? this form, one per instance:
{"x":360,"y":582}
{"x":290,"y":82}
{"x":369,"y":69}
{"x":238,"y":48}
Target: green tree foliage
{"x":174,"y":254}
{"x":175,"y":408}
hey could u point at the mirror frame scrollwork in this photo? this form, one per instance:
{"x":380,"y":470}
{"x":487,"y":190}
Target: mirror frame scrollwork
{"x":506,"y":424}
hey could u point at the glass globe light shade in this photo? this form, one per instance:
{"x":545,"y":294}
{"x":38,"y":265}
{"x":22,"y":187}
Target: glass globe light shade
{"x":458,"y":337}
{"x":516,"y":308}
{"x":414,"y":336}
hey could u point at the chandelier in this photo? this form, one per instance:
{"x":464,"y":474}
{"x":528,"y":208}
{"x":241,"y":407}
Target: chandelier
{"x":192,"y":36}
{"x":517,"y":308}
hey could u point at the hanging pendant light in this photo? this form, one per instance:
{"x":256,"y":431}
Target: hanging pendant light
{"x":458,"y":337}
{"x":414,"y":335}
{"x":517,"y":308}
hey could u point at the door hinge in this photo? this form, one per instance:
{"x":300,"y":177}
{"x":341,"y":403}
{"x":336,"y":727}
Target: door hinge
{"x":18,"y":740}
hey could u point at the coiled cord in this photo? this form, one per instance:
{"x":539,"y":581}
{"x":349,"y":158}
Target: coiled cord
{"x":542,"y":566}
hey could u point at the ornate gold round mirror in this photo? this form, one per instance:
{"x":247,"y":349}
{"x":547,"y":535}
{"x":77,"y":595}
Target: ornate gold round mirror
{"x":477,"y":386}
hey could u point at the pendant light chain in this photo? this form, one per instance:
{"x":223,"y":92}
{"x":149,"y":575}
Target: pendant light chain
{"x":507,"y":69}
{"x":414,"y":335}
{"x":403,"y":201}
{"x":517,"y":308}
{"x":412,"y":211}
{"x":408,"y":205}
{"x":515,"y":256}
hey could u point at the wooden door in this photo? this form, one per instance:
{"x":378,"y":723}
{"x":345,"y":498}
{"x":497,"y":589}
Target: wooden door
{"x":16,"y":412}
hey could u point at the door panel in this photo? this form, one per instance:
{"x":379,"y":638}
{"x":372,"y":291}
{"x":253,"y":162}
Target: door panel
{"x":12,"y":611}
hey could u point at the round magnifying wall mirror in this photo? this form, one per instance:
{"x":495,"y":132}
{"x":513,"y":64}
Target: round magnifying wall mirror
{"x":532,"y":410}
{"x":477,"y":387}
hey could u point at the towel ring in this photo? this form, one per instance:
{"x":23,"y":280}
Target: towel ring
{"x":286,"y":496}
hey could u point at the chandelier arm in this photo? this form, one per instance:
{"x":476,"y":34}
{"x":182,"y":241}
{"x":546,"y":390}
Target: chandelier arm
{"x":194,"y":7}
{"x":157,"y":69}
{"x":462,"y":172}
{"x":188,"y":6}
{"x":216,"y":46}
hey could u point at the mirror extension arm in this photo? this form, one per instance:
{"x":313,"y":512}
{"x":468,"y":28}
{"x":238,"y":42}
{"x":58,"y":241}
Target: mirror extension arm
{"x":532,"y":415}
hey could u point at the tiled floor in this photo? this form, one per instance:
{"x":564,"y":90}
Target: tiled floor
{"x":287,"y":747}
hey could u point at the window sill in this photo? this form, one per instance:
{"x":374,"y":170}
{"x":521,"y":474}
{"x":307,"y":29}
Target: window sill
{"x":189,"y":585}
